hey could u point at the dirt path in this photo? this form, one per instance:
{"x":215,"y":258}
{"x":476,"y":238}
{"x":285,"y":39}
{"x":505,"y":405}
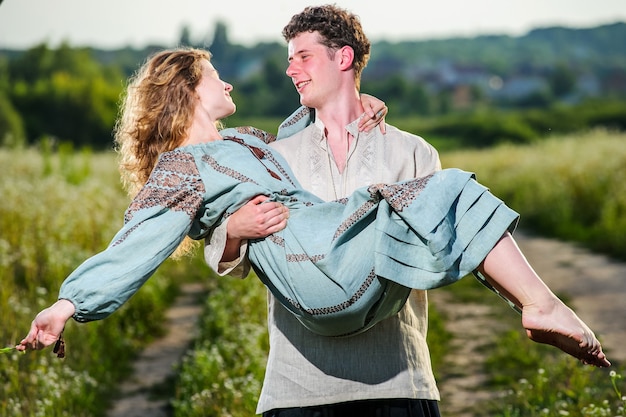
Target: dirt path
{"x":155,"y":365}
{"x":594,"y":285}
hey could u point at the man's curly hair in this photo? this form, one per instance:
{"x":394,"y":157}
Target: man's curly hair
{"x":337,"y":27}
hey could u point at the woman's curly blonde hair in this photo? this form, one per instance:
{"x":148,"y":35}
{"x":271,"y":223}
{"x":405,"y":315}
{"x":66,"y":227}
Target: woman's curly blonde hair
{"x":155,"y":115}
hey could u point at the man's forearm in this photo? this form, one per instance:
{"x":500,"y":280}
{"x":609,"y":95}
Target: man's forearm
{"x":231,"y":250}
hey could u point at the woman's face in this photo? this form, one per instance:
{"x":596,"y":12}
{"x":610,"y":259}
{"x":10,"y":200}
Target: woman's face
{"x":214,"y":94}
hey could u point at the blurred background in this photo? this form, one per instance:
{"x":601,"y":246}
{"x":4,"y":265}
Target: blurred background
{"x":530,"y":95}
{"x":59,"y":59}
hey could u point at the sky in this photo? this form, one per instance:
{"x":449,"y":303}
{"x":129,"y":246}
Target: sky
{"x":116,"y":24}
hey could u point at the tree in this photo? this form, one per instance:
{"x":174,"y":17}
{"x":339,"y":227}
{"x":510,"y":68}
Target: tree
{"x":220,"y":44}
{"x":69,"y":96}
{"x":185,"y":37}
{"x":562,"y":80}
{"x":11,"y":125}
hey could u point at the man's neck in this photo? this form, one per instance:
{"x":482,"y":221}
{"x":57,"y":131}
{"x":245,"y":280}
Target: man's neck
{"x":335,"y":120}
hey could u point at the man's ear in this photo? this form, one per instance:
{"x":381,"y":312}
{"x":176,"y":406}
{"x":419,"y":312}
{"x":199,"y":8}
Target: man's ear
{"x":346,"y":57}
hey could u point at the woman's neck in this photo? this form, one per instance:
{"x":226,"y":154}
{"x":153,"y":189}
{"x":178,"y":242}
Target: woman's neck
{"x":202,"y":132}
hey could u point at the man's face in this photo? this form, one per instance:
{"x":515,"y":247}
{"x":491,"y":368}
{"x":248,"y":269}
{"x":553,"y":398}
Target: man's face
{"x":311,"y":69}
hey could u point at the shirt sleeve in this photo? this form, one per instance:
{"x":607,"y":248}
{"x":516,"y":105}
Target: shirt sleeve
{"x":427,"y":159}
{"x":214,"y":249}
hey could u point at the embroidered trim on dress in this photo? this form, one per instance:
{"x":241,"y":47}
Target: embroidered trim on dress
{"x":400,"y":196}
{"x":253,"y":131}
{"x":295,"y":118}
{"x":303,"y":257}
{"x":212,"y":162}
{"x":175,"y":183}
{"x":355,"y":217}
{"x":338,"y":307}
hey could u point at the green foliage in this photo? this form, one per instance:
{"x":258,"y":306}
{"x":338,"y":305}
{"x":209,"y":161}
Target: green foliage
{"x":562,"y":80}
{"x":536,"y":382}
{"x":587,"y":48}
{"x":567,"y":187}
{"x":438,"y":339}
{"x":268,"y":92}
{"x":71,"y":94}
{"x":401,"y":96}
{"x":11,"y":126}
{"x":58,"y":208}
{"x":66,"y":94}
{"x":485,"y":129}
{"x":482,"y":128}
{"x":222,"y":374}
{"x":530,"y":379}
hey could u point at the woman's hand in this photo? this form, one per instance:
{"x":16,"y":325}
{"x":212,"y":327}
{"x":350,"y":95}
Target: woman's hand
{"x":375,"y":112}
{"x":47,"y":326}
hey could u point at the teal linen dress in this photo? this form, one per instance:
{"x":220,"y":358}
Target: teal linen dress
{"x":334,"y":261}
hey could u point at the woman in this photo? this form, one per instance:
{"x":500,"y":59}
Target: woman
{"x":328,"y":266}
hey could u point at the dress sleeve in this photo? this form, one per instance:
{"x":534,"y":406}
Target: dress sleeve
{"x":296,"y":122}
{"x":156,"y":222}
{"x":215,"y":243}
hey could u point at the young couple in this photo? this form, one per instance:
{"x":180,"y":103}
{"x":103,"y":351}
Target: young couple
{"x":396,"y":221}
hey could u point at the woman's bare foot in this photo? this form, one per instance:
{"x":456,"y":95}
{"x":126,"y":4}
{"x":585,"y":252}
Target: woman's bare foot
{"x":557,"y":325}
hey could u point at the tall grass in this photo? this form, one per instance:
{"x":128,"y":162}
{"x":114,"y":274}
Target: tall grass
{"x":526,"y":379}
{"x":535,"y":380}
{"x":222,"y":373}
{"x":59,"y":207}
{"x":570,"y":187}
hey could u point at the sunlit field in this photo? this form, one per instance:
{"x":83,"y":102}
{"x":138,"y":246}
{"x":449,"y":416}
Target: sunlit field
{"x":571,"y":187}
{"x":57,"y":209}
{"x":60,"y":206}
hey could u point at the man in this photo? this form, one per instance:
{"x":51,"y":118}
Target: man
{"x":386,"y":370}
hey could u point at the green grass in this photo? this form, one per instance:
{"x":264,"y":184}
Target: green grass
{"x":221,"y":375}
{"x":530,"y":379}
{"x":60,"y":206}
{"x":536,"y":380}
{"x":570,"y":187}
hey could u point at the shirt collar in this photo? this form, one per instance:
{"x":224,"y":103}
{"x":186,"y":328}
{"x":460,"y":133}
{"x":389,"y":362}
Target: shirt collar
{"x":352,"y":127}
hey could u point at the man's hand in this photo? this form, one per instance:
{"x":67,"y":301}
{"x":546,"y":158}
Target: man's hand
{"x":258,"y":218}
